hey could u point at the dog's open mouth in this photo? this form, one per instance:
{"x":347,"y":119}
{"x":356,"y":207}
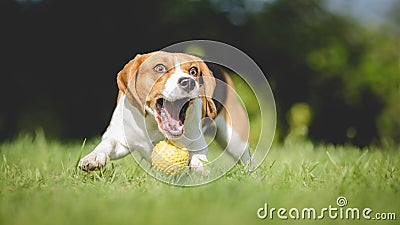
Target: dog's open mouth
{"x":171,"y":115}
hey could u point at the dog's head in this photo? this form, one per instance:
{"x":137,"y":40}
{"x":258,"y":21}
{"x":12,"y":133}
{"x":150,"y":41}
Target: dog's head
{"x":165,"y":85}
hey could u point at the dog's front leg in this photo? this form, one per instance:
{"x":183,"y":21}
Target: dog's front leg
{"x":197,"y":163}
{"x":197,"y":147}
{"x":107,"y":149}
{"x":113,"y":143}
{"x":198,"y":155}
{"x":98,"y":157}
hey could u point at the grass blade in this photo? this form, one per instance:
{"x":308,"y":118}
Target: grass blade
{"x":331,"y":159}
{"x":80,"y":154}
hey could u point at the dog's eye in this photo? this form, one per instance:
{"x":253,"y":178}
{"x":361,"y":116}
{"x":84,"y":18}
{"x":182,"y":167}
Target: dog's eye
{"x":160,"y":68}
{"x":193,"y":71}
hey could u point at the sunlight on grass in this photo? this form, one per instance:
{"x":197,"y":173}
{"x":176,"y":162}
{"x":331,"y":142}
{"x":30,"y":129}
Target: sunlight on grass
{"x":40,"y":185}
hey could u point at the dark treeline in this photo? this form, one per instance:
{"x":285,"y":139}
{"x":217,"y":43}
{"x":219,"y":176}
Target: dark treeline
{"x":60,"y":60}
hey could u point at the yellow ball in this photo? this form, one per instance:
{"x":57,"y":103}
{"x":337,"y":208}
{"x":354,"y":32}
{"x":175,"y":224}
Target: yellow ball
{"x":168,"y":158}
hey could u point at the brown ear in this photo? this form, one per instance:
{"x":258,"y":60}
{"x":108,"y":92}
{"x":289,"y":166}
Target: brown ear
{"x":126,"y":80}
{"x":206,"y":91}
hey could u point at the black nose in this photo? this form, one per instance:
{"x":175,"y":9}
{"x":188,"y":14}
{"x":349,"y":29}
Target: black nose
{"x":187,"y":83}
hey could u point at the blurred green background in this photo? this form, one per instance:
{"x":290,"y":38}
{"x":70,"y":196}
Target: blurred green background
{"x":333,"y":65}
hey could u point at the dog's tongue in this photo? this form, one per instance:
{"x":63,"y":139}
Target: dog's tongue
{"x":170,"y":117}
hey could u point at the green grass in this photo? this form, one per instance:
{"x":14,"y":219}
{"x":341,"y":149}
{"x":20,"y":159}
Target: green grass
{"x":40,"y":185}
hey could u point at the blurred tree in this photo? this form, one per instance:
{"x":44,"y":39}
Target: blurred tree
{"x":299,"y":118}
{"x":326,"y":60}
{"x":380,"y":68}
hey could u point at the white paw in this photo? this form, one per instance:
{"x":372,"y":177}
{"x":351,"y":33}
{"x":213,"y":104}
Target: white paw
{"x":197,"y":164}
{"x":93,"y":161}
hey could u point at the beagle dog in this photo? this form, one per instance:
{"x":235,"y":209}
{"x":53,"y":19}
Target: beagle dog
{"x":171,"y":95}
